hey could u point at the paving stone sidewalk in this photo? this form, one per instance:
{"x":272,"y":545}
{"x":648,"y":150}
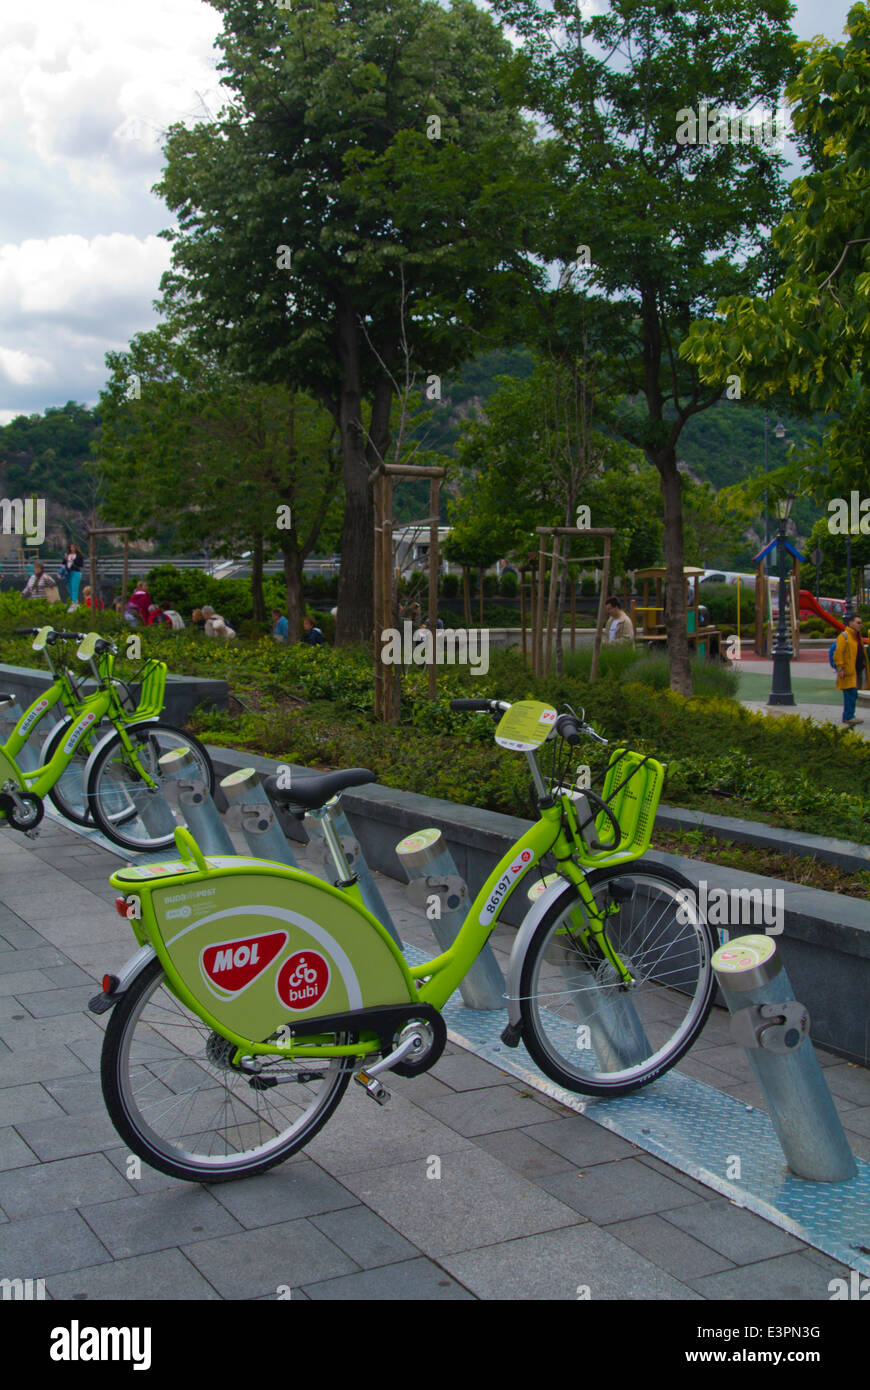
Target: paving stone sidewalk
{"x":468,"y":1185}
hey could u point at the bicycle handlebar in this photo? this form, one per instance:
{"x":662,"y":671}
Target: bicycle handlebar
{"x":486,"y":706}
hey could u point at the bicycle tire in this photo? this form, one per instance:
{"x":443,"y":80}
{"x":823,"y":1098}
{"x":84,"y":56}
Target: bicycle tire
{"x":615,"y":1039}
{"x":138,"y":1089}
{"x":116,"y":794}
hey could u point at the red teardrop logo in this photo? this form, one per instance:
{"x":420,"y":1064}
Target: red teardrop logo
{"x":232,"y":965}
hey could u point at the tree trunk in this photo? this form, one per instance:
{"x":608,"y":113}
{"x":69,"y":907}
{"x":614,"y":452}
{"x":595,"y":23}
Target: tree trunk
{"x":675,"y":584}
{"x":293,"y":585}
{"x":355,"y":596}
{"x":480,"y":598}
{"x":466,"y":596}
{"x":258,"y":598}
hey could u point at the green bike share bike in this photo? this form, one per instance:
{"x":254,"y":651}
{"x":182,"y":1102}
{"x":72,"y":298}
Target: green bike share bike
{"x":99,"y":764}
{"x":259,"y":990}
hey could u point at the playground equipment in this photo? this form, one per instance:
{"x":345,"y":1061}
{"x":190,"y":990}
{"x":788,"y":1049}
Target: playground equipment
{"x":765,"y":589}
{"x":704,"y":637}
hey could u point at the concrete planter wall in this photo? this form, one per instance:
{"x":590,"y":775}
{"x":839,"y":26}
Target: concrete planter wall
{"x":183,"y":693}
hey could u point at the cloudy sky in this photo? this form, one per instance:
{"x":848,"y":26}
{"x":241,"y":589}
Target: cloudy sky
{"x":85,"y":91}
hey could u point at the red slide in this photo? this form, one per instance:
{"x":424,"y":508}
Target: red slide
{"x":808,"y":602}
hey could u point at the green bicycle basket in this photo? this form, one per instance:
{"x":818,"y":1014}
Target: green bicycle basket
{"x":632,"y":788}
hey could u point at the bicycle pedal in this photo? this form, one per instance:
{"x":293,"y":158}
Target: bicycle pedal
{"x":373,"y":1087}
{"x":262,"y":1083}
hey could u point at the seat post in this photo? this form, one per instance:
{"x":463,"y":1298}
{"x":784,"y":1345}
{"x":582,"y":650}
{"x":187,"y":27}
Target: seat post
{"x":346,"y":876}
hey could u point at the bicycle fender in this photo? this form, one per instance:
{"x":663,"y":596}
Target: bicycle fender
{"x":130,"y":971}
{"x":522,"y":941}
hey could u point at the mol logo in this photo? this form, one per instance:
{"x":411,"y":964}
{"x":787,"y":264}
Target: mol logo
{"x":302,"y":980}
{"x":233,"y":965}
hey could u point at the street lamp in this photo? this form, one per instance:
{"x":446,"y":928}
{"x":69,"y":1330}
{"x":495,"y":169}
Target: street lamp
{"x":780,"y":690}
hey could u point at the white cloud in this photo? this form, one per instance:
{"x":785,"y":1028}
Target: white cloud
{"x":64,"y":302}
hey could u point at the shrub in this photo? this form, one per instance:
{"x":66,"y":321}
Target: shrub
{"x":450,"y":585}
{"x":509,"y":584}
{"x":721,"y":601}
{"x":587,"y":587}
{"x":490,"y":585}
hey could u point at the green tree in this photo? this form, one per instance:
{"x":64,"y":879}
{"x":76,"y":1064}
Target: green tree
{"x":656,"y":229}
{"x":367,"y":154}
{"x":235,"y":465}
{"x":809,"y":340}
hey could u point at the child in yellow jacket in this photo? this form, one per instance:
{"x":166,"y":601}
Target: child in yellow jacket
{"x":850,"y":662}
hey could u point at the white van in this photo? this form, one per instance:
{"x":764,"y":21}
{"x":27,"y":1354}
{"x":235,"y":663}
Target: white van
{"x":728,"y":577}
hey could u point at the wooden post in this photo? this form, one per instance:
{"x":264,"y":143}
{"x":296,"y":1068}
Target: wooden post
{"x":92,"y":556}
{"x":378,"y":601}
{"x":125,"y":578}
{"x":574,"y":608}
{"x":434,"y":488}
{"x":551,"y":601}
{"x":605,"y":579}
{"x":523,"y":613}
{"x":538,"y":629}
{"x":391,"y":681}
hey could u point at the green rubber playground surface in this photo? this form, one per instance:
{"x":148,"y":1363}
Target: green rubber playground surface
{"x":808,"y":690}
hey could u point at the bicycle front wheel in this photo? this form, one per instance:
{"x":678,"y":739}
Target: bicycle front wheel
{"x":583,"y":1026}
{"x":175,"y":1098}
{"x":125,"y":807}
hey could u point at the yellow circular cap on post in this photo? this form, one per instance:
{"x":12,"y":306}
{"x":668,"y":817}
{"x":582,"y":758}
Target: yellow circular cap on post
{"x":176,"y":757}
{"x":746,"y":962}
{"x":421,"y":847}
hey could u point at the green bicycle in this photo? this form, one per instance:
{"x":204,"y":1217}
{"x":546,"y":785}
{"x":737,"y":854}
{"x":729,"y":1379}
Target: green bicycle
{"x":259,"y":990}
{"x":68,"y":794}
{"x":111,"y":777}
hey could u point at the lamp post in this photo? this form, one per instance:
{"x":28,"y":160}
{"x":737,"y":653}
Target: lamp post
{"x":850,"y":607}
{"x":780,"y":690}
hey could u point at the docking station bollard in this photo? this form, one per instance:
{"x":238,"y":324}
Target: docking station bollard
{"x":434,"y":881}
{"x":332,"y":822}
{"x":609,"y":1024}
{"x":774,"y":1028}
{"x":201,"y":816}
{"x":257,"y":819}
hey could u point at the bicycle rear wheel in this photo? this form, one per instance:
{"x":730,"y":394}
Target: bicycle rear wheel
{"x":174,"y":1097}
{"x":125,"y":808}
{"x":580,"y":1024}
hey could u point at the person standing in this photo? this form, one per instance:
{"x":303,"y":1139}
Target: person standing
{"x":281,"y":627}
{"x":850,"y":663}
{"x":621,"y":628}
{"x":40,"y":585}
{"x":72,"y":570}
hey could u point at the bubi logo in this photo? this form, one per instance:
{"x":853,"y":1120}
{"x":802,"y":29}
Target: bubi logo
{"x":302,"y":980}
{"x":233,"y":965}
